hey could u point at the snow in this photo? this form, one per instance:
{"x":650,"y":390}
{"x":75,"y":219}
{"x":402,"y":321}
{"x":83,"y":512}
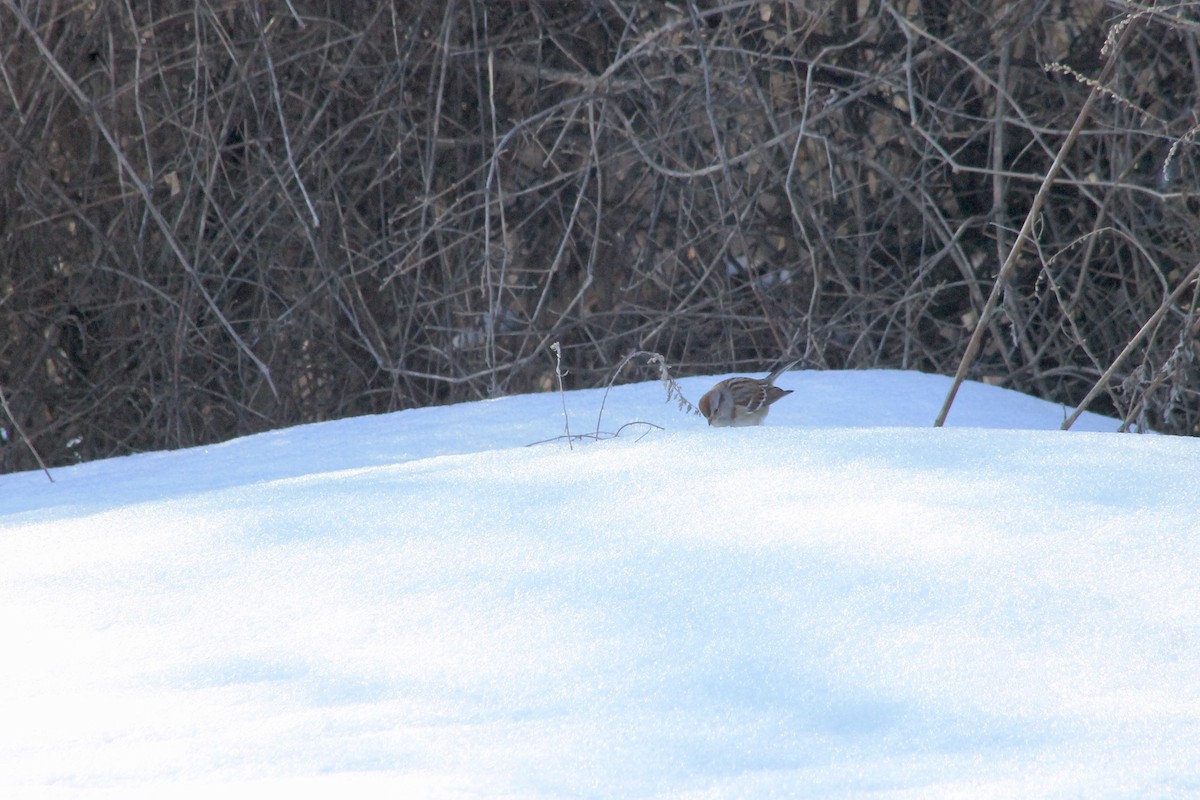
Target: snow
{"x":844,"y":602}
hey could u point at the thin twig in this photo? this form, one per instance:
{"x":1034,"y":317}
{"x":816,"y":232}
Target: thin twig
{"x":24,"y":438}
{"x":600,"y":437}
{"x":283,"y":123}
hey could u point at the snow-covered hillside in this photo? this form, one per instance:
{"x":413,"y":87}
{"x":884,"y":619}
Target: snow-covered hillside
{"x":844,"y":602}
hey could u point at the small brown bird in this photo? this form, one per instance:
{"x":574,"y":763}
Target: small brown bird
{"x":739,"y":402}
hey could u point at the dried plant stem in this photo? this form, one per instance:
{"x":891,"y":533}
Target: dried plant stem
{"x":562,"y":395}
{"x":1148,"y":326}
{"x":664,"y":375}
{"x":1023,"y":236}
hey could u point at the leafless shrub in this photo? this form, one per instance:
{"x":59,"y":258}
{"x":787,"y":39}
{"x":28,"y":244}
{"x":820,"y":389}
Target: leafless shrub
{"x":220,"y":217}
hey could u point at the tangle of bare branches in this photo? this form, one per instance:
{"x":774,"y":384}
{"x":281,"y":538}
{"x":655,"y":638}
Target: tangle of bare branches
{"x":221,"y":217}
